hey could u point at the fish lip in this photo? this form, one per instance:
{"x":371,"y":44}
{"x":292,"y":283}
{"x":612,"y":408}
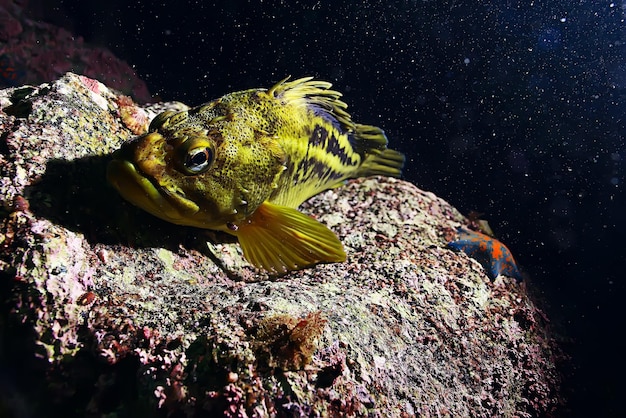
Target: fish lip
{"x":146,"y":193}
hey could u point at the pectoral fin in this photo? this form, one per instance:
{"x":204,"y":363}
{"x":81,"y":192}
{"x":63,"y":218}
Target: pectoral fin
{"x":280,"y":239}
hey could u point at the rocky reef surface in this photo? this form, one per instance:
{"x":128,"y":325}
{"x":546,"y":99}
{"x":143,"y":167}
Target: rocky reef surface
{"x":33,"y":52}
{"x":108,"y":311}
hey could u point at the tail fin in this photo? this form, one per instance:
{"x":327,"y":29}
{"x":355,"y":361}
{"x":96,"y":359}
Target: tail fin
{"x":371,"y":142}
{"x":387,"y":162}
{"x":367,"y":138}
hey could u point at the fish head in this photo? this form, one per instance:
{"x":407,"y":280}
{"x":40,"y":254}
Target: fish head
{"x":198,"y":170}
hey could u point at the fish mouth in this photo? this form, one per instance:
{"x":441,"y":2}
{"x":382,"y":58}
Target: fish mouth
{"x":141,"y":191}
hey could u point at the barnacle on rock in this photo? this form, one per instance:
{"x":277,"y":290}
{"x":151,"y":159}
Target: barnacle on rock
{"x":133,"y":117}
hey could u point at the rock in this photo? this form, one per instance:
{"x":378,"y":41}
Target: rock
{"x":110,"y":310}
{"x":33,"y":52}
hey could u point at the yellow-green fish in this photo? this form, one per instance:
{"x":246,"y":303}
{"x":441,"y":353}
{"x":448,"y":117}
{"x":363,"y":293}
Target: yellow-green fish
{"x":243,"y":163}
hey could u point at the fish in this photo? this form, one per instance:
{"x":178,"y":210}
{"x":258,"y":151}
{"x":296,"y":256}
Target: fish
{"x":493,"y":255}
{"x":243,"y":163}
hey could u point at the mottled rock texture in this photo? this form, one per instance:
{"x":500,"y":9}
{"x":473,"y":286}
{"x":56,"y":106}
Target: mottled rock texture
{"x":110,"y":311}
{"x":33,"y":52}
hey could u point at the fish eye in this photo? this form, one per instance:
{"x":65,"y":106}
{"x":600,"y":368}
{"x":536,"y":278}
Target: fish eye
{"x":198,"y":157}
{"x":198,"y":160}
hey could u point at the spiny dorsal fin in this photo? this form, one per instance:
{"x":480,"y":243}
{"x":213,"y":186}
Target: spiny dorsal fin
{"x":367,"y":140}
{"x":371,"y":142}
{"x":314,"y":92}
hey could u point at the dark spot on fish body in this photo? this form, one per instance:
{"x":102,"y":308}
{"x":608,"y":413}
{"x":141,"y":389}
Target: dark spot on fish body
{"x":311,"y":167}
{"x":289,"y":165}
{"x":322,"y":138}
{"x":335,"y":148}
{"x":293,"y":173}
{"x":331,"y":175}
{"x":318,"y":137}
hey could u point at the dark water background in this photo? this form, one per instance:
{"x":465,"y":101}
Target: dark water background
{"x":514,"y":109}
